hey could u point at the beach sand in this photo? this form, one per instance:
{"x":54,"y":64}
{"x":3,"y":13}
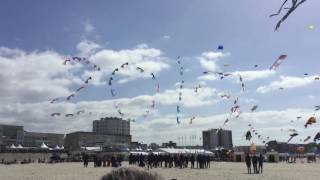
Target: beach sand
{"x":218,"y":170}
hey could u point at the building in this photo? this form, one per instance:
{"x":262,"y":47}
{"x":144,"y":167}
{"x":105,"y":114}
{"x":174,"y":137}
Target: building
{"x":76,"y":140}
{"x":10,"y":134}
{"x":217,"y":138}
{"x":111,"y":126}
{"x":35,"y":139}
{"x":169,"y":144}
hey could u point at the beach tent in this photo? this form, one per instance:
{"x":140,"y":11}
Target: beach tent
{"x":44,"y":146}
{"x":57,"y":148}
{"x":13,"y":146}
{"x":19,"y":146}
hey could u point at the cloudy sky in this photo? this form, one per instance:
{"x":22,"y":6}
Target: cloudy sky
{"x":36,"y":37}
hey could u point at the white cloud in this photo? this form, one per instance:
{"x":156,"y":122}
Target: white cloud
{"x":209,"y":60}
{"x":287,"y":82}
{"x":150,"y":59}
{"x":33,"y":76}
{"x":254,"y":75}
{"x":88,"y":27}
{"x":167,"y":37}
{"x":87,"y":48}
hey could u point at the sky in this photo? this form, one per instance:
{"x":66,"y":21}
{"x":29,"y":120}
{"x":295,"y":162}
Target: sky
{"x":37,"y":36}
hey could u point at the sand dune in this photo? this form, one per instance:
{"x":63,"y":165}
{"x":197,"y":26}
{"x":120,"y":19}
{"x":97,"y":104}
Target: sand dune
{"x":221,"y":170}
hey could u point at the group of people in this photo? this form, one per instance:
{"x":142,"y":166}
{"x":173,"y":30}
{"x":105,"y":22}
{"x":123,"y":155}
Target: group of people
{"x":169,"y":161}
{"x":257,"y":163}
{"x":103,"y":161}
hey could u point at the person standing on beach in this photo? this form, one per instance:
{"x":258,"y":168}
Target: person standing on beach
{"x":192,"y":159}
{"x":261,"y":159}
{"x":255,"y":163}
{"x":85,"y":160}
{"x":248,"y":163}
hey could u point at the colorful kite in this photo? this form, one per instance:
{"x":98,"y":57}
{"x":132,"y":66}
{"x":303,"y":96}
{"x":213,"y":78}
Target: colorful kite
{"x":310,"y":121}
{"x":278,"y":62}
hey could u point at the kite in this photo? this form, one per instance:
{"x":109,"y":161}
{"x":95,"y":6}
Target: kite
{"x":65,"y":61}
{"x":254,"y":108}
{"x":310,"y":121}
{"x":110,"y":81}
{"x":294,"y":6}
{"x":292,"y":130}
{"x":281,"y":88}
{"x":241,"y":80}
{"x":121,"y":114}
{"x":316,"y":137}
{"x":153,"y":104}
{"x":54,"y":100}
{"x":256,"y":66}
{"x":226,"y":121}
{"x":112,"y":92}
{"x":292,"y":136}
{"x":87,"y":80}
{"x":79,"y":112}
{"x":69,"y":115}
{"x":192,"y":120}
{"x":248,"y":136}
{"x":181,"y":70}
{"x":307,"y":139}
{"x":306,"y":74}
{"x":69,"y":97}
{"x":317,"y":108}
{"x":76,"y":58}
{"x":124,"y":64}
{"x":55,"y":114}
{"x":278,"y":62}
{"x":225,"y":96}
{"x":220,"y":47}
{"x":158,"y":87}
{"x":79,"y":88}
{"x":299,"y":117}
{"x":95,"y":67}
{"x":114,"y":71}
{"x":140,"y":69}
{"x":153,"y":76}
{"x":178,"y":109}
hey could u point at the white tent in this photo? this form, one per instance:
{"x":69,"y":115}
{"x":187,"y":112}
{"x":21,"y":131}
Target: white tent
{"x":57,"y":147}
{"x":13,"y":146}
{"x":185,"y":151}
{"x":19,"y":146}
{"x":62,"y":147}
{"x":44,"y":146}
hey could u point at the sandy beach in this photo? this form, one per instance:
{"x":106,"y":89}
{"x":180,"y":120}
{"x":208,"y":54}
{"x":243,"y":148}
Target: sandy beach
{"x":218,"y":170}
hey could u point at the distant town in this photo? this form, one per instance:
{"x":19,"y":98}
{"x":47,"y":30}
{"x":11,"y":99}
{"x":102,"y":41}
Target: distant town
{"x":112,"y":134}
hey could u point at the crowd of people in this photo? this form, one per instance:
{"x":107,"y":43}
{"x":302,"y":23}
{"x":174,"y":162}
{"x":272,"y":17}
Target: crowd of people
{"x":104,"y":161}
{"x":169,"y":161}
{"x":257,"y":163}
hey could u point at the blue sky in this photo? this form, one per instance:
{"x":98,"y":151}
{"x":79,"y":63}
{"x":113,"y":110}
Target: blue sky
{"x":39,"y":34}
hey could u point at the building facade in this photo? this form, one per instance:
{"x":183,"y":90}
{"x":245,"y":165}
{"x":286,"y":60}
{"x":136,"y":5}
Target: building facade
{"x":76,"y":140}
{"x":10,"y":134}
{"x":35,"y":139}
{"x":216,"y":138}
{"x":111,"y":126}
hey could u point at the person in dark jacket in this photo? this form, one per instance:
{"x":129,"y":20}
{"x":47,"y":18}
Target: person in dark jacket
{"x":248,"y":163}
{"x":261,"y":159}
{"x":255,"y":164}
